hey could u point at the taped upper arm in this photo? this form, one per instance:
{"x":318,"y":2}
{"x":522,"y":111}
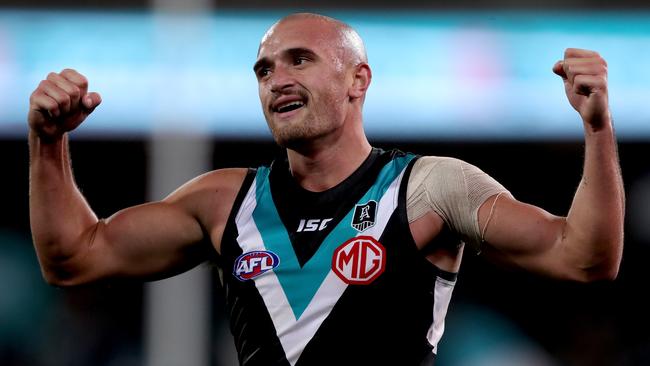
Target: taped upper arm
{"x":454,"y":190}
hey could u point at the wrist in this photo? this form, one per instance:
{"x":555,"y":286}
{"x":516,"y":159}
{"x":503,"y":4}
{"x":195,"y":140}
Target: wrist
{"x":598,"y":124}
{"x":44,"y":138}
{"x":45,"y":146}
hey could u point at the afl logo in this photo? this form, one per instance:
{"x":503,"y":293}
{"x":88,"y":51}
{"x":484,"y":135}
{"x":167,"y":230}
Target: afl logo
{"x":253,"y":264}
{"x":359,"y":261}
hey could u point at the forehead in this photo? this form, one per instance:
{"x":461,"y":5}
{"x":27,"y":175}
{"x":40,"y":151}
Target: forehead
{"x":315,"y":34}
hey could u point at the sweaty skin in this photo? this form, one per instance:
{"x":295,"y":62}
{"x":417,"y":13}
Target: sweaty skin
{"x":313,"y":76}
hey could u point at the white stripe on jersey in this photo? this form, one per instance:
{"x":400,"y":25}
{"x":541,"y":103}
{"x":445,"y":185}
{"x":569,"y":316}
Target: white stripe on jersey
{"x":441,"y":298}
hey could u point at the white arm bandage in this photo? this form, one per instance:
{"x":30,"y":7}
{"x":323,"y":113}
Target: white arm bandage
{"x":453,"y":189}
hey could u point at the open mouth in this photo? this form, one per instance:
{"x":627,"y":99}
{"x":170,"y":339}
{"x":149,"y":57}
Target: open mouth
{"x":288,"y":107}
{"x":288,"y":104}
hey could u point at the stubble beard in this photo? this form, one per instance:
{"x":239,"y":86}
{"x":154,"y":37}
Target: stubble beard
{"x":296,"y":135}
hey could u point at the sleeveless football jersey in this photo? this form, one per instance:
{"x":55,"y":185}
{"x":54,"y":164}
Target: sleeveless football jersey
{"x":334,"y":277}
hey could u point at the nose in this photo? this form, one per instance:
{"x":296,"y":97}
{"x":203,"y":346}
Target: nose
{"x":281,"y":78}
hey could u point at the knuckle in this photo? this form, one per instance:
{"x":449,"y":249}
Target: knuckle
{"x":75,"y":77}
{"x":45,"y":104}
{"x":68,"y":72}
{"x":568,"y":68}
{"x":64,"y":100}
{"x":36,"y":94}
{"x":603,"y":69}
{"x":75,"y":92}
{"x":50,"y":105}
{"x":37,"y":100}
{"x":83,"y":82}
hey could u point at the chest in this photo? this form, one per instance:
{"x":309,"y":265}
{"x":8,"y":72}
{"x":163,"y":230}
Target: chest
{"x":299,"y":252}
{"x":362,"y":256}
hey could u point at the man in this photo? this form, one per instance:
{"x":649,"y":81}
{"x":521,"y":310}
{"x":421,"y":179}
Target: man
{"x":340,"y":248}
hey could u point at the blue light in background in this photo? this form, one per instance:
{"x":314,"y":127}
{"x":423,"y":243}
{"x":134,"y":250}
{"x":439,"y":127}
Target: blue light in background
{"x":435,"y":75}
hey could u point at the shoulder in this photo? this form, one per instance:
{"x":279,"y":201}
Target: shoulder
{"x":454,"y":189}
{"x":438,"y":162}
{"x":436,"y":167}
{"x":443,"y":167}
{"x":230,"y":178}
{"x":214,"y":183}
{"x":210,"y":193}
{"x":434,"y":182}
{"x":448,"y":184}
{"x":209,"y":198}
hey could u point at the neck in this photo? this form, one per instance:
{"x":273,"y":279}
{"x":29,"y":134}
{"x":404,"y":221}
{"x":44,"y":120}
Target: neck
{"x":327,"y":163}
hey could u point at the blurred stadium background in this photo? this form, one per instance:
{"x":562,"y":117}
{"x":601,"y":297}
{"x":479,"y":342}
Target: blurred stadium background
{"x":469,"y":79}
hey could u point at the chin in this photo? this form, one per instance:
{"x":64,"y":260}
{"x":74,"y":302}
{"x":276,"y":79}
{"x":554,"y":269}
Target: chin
{"x":297,"y":138}
{"x":291,"y":141}
{"x":299,"y":134}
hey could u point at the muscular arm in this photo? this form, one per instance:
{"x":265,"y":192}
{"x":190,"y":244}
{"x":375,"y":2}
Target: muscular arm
{"x":74,"y":246}
{"x":148,"y":241}
{"x":587,"y":244}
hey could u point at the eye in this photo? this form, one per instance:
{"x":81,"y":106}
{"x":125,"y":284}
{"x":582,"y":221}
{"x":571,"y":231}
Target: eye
{"x":300,"y":60}
{"x":263,"y":71}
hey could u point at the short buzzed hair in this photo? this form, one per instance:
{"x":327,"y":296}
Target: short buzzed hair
{"x":353,"y":43}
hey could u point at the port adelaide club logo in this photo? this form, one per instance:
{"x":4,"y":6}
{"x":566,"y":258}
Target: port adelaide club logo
{"x":364,"y":216}
{"x":253,"y":264}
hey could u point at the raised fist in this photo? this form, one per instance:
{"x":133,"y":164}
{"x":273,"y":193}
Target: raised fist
{"x":585,"y":81}
{"x":60,"y":103}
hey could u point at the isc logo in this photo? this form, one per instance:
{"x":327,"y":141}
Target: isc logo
{"x":359,"y":261}
{"x":252,"y":264}
{"x":312,"y":225}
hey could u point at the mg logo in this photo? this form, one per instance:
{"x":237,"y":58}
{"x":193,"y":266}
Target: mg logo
{"x":359,"y":261}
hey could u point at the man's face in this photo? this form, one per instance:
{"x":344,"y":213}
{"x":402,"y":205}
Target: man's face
{"x":303,"y":81}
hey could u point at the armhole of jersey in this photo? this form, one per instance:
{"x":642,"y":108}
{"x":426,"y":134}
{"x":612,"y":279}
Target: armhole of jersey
{"x":231,"y":228}
{"x":402,"y":201}
{"x":442,"y":274}
{"x":445,"y":275}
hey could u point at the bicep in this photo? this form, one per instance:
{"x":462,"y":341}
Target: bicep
{"x":155,"y":240}
{"x":148,"y":241}
{"x":524,"y":236}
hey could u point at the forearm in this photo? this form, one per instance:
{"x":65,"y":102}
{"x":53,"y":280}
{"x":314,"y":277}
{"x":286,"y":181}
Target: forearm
{"x":60,"y":218}
{"x":594,"y":226}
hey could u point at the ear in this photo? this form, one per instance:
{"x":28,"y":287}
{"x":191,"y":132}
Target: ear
{"x":361,"y":81}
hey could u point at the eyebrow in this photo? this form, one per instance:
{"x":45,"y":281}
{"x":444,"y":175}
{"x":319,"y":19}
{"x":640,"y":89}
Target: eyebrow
{"x":301,"y":51}
{"x":296,"y":51}
{"x":260,"y":63}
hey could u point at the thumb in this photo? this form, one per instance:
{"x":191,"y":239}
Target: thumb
{"x":91,"y":101}
{"x":558,"y":69}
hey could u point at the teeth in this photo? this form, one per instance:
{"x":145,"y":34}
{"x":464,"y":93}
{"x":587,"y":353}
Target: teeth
{"x":290,"y":106}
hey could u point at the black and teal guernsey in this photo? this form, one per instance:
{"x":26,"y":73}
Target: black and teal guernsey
{"x":329,"y":278}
